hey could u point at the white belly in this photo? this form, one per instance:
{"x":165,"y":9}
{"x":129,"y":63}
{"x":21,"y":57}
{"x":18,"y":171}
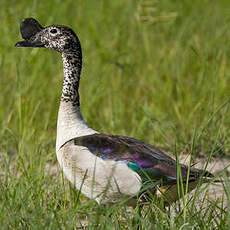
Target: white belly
{"x":102,"y":180}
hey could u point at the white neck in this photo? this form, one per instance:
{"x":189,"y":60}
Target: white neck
{"x":70,"y":124}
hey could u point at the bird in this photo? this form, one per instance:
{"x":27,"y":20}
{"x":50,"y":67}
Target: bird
{"x":104,"y":167}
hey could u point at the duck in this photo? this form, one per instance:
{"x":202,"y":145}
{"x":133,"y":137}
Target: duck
{"x":104,"y":167}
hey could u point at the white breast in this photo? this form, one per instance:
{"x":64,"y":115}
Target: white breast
{"x":102,"y":180}
{"x":70,"y":124}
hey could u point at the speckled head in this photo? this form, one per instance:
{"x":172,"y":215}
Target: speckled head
{"x":64,"y":40}
{"x":56,"y":37}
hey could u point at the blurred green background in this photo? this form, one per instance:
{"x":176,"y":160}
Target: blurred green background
{"x":155,"y":70}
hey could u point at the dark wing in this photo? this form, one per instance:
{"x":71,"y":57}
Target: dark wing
{"x":145,"y":159}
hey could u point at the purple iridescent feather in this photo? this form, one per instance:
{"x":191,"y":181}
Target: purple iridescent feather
{"x":144,"y":158}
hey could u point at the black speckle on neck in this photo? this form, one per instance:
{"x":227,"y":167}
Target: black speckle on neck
{"x":72,"y":63}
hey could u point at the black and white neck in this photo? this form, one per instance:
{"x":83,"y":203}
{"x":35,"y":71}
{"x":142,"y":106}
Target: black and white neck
{"x":72,"y":63}
{"x":70,"y":121}
{"x":64,"y":40}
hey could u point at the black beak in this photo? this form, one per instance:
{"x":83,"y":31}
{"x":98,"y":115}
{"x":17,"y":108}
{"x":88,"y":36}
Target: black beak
{"x":29,"y":29}
{"x":29,"y":43}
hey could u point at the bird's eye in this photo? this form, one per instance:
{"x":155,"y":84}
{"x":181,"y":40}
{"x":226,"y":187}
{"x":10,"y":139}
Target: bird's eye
{"x":53,"y":31}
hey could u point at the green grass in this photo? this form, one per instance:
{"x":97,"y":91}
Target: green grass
{"x":161,"y":76}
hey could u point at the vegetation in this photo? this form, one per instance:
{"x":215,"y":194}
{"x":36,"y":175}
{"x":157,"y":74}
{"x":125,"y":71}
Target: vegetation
{"x":155,"y":70}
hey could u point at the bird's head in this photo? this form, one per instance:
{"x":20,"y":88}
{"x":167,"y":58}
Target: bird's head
{"x":56,"y":37}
